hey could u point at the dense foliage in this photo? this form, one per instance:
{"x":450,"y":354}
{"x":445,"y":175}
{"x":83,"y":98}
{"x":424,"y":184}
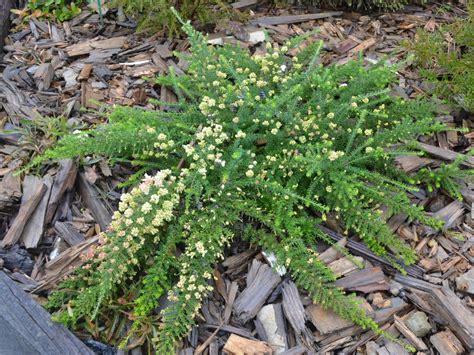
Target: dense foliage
{"x":62,"y":10}
{"x":259,"y":147}
{"x":447,"y":56}
{"x":156,"y":14}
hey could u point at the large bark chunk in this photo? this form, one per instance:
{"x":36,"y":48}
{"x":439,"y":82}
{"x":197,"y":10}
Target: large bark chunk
{"x":26,"y":328}
{"x":261,"y":282}
{"x":26,"y":210}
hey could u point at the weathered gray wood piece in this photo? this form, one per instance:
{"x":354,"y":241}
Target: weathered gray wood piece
{"x":366,"y":280}
{"x":34,"y":227}
{"x":26,"y":210}
{"x":261,"y":281}
{"x":294,"y":312}
{"x":239,"y":5}
{"x":446,"y":154}
{"x":63,"y":182}
{"x":360,"y":249}
{"x":69,"y":233}
{"x":285,"y":20}
{"x":26,"y":328}
{"x":93,"y":202}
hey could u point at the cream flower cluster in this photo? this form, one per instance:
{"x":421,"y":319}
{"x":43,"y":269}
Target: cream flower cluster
{"x":267,"y":72}
{"x":141,"y":214}
{"x":192,"y":286}
{"x":207,"y":152}
{"x":161,"y":147}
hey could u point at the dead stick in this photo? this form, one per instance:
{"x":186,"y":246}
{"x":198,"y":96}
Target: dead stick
{"x":204,"y":345}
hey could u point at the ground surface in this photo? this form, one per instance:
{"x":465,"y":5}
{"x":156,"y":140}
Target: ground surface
{"x":53,"y":70}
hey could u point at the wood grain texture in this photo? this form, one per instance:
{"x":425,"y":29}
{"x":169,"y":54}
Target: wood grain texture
{"x":93,"y":202}
{"x":261,"y":281}
{"x":31,"y":235}
{"x":26,"y":328}
{"x":26,"y":210}
{"x":63,"y":181}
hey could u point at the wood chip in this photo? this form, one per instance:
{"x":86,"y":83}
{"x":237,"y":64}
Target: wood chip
{"x":10,"y":191}
{"x":85,"y":72}
{"x":237,"y":260}
{"x":412,"y":163}
{"x":44,"y":76}
{"x":465,"y":282}
{"x":366,"y":281}
{"x":343,"y":266}
{"x":68,"y":233}
{"x":234,"y":287}
{"x":249,"y":302}
{"x":362,"y":47}
{"x":33,"y":230}
{"x":63,"y":182}
{"x":450,"y":213}
{"x":86,"y":47}
{"x":447,"y":306}
{"x":281,"y":20}
{"x":446,"y":154}
{"x":64,"y":264}
{"x":360,"y":249}
{"x":345,"y":46}
{"x":326,"y":321}
{"x":93,"y":202}
{"x":447,"y":343}
{"x":332,"y":253}
{"x":243,"y":4}
{"x":236,"y":345}
{"x":26,"y":210}
{"x":392,"y":348}
{"x":295,"y":313}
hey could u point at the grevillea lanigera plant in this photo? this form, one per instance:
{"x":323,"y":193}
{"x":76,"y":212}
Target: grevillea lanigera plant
{"x":258,"y":147}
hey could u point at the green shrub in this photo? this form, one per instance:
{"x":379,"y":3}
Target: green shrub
{"x":258,"y":147}
{"x":447,"y":59}
{"x":62,"y":10}
{"x":156,"y":14}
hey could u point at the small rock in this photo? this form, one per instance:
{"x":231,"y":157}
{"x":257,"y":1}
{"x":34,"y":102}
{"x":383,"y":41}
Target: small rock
{"x":395,"y":288}
{"x":418,"y":324}
{"x":275,"y":334}
{"x":70,"y":77}
{"x":256,"y":37}
{"x":465,"y":282}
